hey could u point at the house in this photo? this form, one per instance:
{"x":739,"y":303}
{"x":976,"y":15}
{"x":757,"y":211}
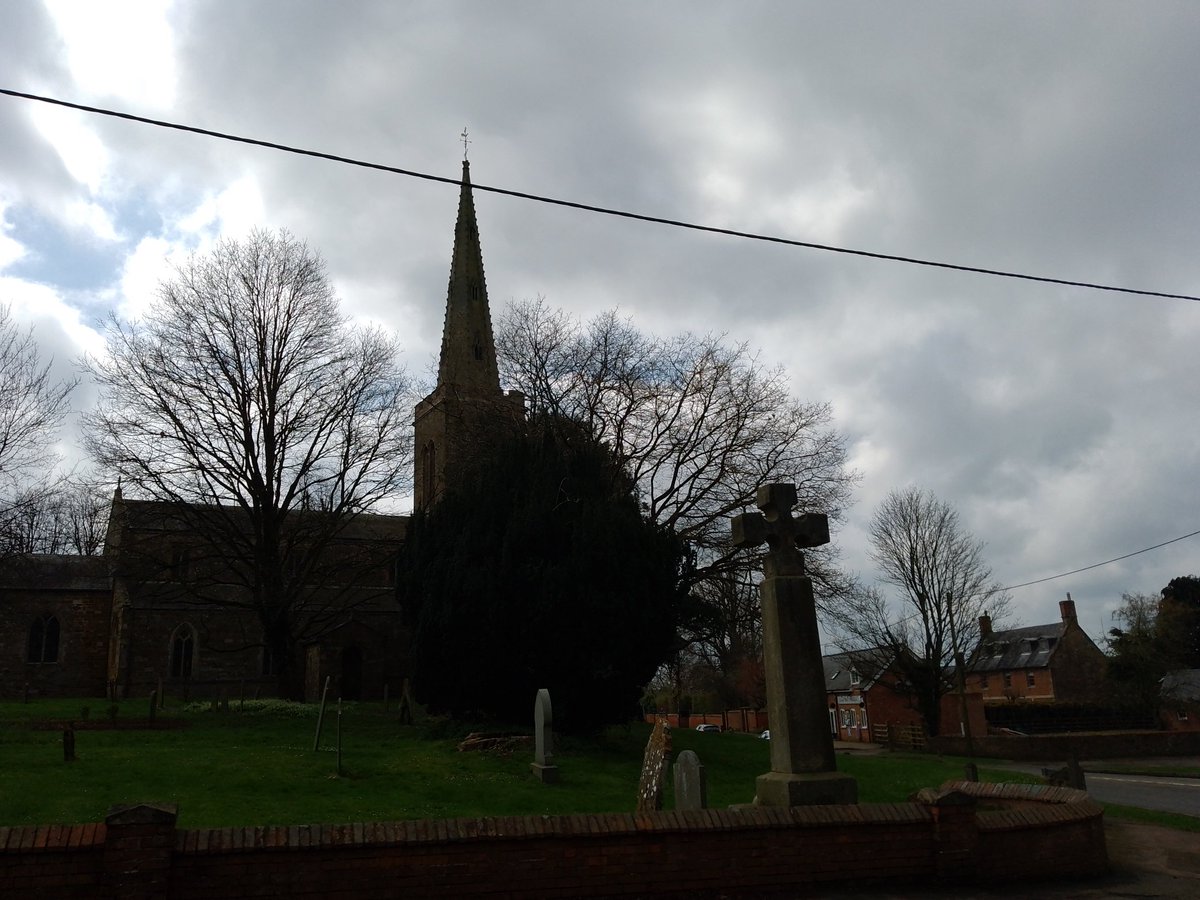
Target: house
{"x":1180,"y":700}
{"x":157,"y":610}
{"x":1054,"y":663}
{"x":868,"y":700}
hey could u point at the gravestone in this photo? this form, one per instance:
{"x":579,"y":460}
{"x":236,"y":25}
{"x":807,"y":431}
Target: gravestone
{"x":654,"y":768}
{"x":691,"y":784}
{"x":543,"y":739}
{"x":406,"y":703}
{"x":803,"y":764}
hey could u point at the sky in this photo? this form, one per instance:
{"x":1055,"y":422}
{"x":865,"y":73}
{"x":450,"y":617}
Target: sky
{"x":1049,"y":139}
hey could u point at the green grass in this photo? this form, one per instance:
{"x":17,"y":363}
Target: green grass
{"x":1177,"y":821}
{"x":258,"y":767}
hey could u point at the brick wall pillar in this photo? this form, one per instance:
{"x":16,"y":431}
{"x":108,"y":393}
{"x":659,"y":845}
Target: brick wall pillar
{"x":955,"y":834}
{"x":138,"y":844}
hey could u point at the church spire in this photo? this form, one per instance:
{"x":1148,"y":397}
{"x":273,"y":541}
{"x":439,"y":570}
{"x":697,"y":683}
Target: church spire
{"x":468,"y":358}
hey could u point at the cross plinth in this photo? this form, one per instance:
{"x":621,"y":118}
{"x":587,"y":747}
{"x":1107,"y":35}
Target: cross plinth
{"x":803,"y":765}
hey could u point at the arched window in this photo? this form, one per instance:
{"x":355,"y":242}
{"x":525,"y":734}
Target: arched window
{"x":43,"y":640}
{"x":183,"y":651}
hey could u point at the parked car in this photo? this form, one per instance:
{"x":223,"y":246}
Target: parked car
{"x":708,"y":727}
{"x":766,"y":735}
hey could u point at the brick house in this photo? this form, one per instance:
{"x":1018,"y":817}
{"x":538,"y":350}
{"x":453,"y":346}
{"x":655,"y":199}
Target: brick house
{"x":1054,"y":663}
{"x":1180,"y":706}
{"x":122,"y":623}
{"x":865,"y":698}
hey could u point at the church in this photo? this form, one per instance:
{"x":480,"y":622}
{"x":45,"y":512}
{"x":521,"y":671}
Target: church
{"x":121,"y":625}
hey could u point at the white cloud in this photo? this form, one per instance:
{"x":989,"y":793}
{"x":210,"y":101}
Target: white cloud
{"x":11,"y":249}
{"x":77,"y":145}
{"x":121,"y":49}
{"x":150,"y":263}
{"x":232,"y":212}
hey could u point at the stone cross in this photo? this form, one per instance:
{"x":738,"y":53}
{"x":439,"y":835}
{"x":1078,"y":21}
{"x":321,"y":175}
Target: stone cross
{"x":691,"y":785}
{"x":543,"y":739}
{"x":775,"y":526}
{"x":803,"y":765}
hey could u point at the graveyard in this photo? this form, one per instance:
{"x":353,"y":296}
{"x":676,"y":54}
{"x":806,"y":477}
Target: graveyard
{"x":256,"y":766}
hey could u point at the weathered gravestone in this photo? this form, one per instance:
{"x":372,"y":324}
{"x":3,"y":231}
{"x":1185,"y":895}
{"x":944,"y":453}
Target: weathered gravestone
{"x":654,"y":768}
{"x":803,"y":765}
{"x":543,"y":739}
{"x":691,"y":785}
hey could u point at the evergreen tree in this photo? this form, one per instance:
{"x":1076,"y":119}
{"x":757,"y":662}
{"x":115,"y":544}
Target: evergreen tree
{"x":540,"y":571}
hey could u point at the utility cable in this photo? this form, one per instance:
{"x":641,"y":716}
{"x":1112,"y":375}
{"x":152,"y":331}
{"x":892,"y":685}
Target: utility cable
{"x":602,"y":210}
{"x":1099,"y":564}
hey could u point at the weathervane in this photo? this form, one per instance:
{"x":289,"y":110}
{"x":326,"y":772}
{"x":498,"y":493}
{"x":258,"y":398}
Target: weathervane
{"x":465,"y":141}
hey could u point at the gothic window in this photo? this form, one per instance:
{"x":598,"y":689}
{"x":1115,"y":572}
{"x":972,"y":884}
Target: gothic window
{"x":43,"y":640}
{"x":183,"y":651}
{"x":478,"y":347}
{"x":180,"y":561}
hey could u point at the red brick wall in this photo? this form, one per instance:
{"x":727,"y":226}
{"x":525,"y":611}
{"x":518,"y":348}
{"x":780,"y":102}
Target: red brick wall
{"x":139,"y":853}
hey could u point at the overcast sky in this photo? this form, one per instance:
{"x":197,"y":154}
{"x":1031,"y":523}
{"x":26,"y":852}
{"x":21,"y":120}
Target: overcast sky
{"x":1054,"y":139}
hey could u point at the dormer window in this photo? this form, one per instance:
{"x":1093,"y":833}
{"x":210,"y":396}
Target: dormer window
{"x":854,"y":679}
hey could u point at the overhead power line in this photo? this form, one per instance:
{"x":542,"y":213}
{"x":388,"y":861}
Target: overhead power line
{"x":1099,"y":564}
{"x":602,"y":210}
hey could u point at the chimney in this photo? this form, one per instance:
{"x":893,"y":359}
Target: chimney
{"x":1066,"y":609}
{"x":985,"y":626}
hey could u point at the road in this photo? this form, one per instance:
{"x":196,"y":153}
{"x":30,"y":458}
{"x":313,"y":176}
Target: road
{"x":1177,"y":795}
{"x":1165,"y":794}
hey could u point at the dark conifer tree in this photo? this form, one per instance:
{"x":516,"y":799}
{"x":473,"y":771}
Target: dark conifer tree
{"x":540,"y":571}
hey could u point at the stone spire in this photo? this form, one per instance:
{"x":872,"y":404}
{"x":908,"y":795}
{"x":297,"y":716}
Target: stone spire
{"x":457,"y":425}
{"x":468,"y":358}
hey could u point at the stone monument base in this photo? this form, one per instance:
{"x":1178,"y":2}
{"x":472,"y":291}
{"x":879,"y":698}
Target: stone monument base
{"x":545,"y":774}
{"x":810,"y":789}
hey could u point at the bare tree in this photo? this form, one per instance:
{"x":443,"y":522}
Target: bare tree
{"x":69,"y":517}
{"x":32,"y":407}
{"x":699,"y":423}
{"x":32,"y":404}
{"x":944,"y":585}
{"x":263,"y":423}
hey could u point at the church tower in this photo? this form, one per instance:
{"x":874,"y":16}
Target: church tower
{"x":456,"y":423}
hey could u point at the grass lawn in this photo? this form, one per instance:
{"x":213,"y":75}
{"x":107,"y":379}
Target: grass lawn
{"x":258,"y":767}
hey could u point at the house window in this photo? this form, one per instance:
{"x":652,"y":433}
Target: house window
{"x":183,"y":651}
{"x":1183,"y":716}
{"x":43,"y":640}
{"x":1030,"y":680}
{"x":1008,"y":679}
{"x":862,"y":717}
{"x":854,"y":679}
{"x":983,"y":682}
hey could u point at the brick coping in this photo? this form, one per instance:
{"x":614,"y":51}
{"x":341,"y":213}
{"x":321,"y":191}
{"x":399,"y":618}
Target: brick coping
{"x":1054,"y":806}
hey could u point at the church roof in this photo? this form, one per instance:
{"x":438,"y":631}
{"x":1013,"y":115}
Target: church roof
{"x":468,"y":357}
